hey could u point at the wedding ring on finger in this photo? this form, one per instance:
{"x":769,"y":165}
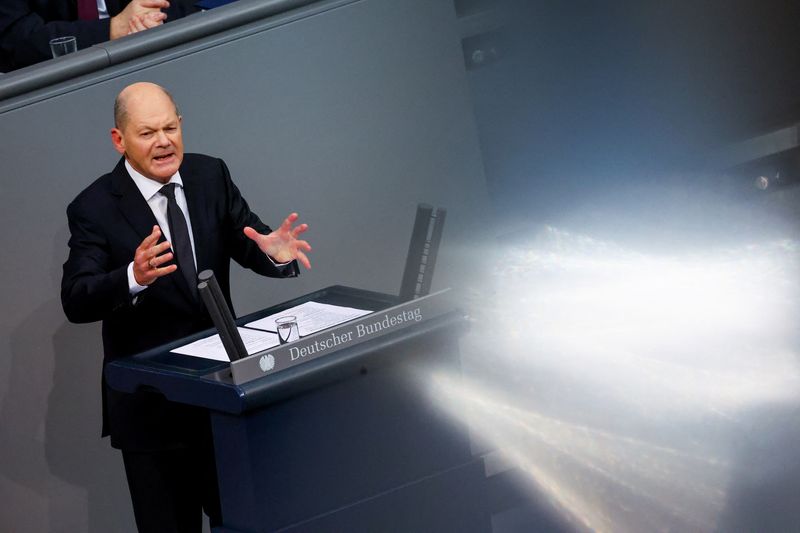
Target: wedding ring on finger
{"x":150,"y":262}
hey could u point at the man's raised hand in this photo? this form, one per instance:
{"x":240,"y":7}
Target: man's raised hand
{"x":282,"y":245}
{"x":149,"y":257}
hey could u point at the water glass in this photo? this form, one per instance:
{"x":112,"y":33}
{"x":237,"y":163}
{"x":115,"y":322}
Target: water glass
{"x":61,"y":46}
{"x":287,"y":329}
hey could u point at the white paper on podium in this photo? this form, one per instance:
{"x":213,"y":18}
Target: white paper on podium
{"x":311,"y":317}
{"x":212,"y":347}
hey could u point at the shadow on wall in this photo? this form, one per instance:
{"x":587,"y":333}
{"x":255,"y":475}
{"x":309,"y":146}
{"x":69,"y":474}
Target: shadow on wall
{"x":64,"y":477}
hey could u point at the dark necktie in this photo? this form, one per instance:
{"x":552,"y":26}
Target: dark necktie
{"x":87,"y":10}
{"x":181,"y":244}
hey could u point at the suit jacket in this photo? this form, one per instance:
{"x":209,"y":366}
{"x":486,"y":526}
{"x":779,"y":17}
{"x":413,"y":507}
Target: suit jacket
{"x":26,"y":27}
{"x":107,"y":222}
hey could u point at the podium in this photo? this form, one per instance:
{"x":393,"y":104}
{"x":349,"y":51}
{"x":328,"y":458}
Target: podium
{"x":347,"y":439}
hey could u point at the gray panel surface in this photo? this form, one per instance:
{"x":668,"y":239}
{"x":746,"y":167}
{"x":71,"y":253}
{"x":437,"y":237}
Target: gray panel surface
{"x":350,"y":117}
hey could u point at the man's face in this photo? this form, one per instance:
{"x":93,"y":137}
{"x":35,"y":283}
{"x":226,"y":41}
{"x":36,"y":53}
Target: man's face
{"x":150,"y":137}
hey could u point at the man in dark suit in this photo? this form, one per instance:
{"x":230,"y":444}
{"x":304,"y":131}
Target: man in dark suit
{"x":26,"y":26}
{"x":123,"y":271}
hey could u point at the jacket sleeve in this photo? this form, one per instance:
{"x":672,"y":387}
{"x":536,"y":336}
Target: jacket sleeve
{"x":25,"y":34}
{"x":90,"y":289}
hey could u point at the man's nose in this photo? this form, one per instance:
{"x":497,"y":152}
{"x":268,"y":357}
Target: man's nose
{"x":162,"y":138}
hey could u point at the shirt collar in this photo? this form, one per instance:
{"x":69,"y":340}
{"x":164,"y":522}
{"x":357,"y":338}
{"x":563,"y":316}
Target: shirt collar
{"x":149,"y":187}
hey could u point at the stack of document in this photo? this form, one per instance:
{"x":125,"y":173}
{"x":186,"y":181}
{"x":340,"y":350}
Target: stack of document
{"x":212,"y":348}
{"x":262,"y":334}
{"x":311,"y":317}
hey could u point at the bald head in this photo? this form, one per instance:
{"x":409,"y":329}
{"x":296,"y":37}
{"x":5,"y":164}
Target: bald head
{"x":148,"y":131}
{"x":138,"y":94}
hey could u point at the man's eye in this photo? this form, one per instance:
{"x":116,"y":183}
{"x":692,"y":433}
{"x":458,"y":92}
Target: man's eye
{"x":147,"y":134}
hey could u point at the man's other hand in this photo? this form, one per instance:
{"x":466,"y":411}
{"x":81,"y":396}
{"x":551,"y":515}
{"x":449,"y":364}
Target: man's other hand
{"x":144,"y":22}
{"x":149,"y":257}
{"x":282,"y":245}
{"x":146,"y":12}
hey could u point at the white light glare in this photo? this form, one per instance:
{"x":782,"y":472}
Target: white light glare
{"x":625,"y":385}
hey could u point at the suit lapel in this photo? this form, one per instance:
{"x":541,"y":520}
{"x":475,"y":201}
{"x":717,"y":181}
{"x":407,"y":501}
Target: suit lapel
{"x":131,"y":202}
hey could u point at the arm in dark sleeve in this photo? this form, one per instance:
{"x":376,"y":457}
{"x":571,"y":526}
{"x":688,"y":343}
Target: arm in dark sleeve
{"x":243,"y":250}
{"x":90,"y":289}
{"x":26,"y":30}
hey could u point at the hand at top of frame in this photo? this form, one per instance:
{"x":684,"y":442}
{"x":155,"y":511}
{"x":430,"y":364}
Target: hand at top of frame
{"x":138,"y":12}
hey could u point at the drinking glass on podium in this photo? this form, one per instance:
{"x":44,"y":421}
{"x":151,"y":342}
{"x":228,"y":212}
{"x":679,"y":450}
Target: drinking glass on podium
{"x":288,"y":330}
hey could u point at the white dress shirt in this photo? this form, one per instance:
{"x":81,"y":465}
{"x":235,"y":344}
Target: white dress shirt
{"x":151,"y":191}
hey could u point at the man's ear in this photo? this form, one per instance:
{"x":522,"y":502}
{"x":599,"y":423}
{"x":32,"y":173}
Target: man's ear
{"x":118,"y":140}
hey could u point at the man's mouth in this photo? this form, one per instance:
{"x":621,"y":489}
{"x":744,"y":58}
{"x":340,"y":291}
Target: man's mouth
{"x":163,"y":157}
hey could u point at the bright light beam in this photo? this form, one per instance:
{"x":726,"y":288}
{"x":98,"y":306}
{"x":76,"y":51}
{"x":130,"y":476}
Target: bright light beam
{"x":574,"y":465}
{"x":626,"y":385}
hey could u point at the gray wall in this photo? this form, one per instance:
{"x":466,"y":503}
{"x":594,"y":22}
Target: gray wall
{"x":350,"y":116}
